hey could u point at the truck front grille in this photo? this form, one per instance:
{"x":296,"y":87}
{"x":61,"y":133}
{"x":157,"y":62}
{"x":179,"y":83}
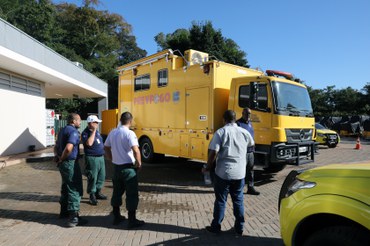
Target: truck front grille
{"x":298,"y":135}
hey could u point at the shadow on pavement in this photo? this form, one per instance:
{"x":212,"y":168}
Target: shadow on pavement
{"x":33,"y":196}
{"x":32,"y":216}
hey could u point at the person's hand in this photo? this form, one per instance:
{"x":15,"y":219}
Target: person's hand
{"x":95,"y":126}
{"x":137,"y":165}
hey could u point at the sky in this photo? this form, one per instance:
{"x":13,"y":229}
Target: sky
{"x":323,"y":42}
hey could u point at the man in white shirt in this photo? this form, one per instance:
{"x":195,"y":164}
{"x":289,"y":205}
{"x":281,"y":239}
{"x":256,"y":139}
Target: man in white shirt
{"x":228,"y":148}
{"x":122,"y":148}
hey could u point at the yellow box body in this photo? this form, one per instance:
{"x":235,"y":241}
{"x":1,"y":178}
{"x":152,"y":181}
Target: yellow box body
{"x":181,"y":117}
{"x":110,"y":120}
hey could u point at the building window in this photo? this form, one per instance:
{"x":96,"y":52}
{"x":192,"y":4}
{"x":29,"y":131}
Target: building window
{"x":162,"y":78}
{"x":15,"y":83}
{"x":142,"y":82}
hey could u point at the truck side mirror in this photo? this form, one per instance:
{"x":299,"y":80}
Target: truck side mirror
{"x":253,"y":95}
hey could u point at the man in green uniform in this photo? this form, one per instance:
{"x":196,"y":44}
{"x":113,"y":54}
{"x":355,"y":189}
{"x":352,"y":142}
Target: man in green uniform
{"x":94,"y":159}
{"x":122,"y":148}
{"x":66,"y":152}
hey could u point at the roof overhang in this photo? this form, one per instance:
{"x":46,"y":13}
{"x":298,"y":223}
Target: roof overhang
{"x":23,"y":55}
{"x":57,"y":84}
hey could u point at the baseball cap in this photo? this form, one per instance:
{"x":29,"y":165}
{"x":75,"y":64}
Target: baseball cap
{"x":93,"y":118}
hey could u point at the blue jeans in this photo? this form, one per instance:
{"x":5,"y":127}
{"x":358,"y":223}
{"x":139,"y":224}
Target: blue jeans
{"x":222,"y":189}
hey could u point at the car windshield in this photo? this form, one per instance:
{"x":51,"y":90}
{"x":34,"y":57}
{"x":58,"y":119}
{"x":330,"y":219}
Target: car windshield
{"x":319,"y":126}
{"x":292,"y":100}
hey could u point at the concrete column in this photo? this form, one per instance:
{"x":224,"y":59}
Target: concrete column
{"x":102,"y":105}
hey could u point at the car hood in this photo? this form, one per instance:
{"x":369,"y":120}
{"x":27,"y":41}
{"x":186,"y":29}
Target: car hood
{"x":325,"y":131}
{"x":339,"y":170}
{"x":348,"y":180}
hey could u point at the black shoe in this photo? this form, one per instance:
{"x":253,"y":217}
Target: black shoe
{"x":75,"y":220}
{"x":100,"y":196}
{"x":252,"y":191}
{"x":135,"y":223}
{"x":213,"y":230}
{"x":93,"y":200}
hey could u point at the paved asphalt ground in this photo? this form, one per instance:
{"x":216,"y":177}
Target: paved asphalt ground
{"x":173,"y":201}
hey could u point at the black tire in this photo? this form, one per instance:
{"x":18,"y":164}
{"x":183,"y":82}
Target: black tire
{"x":147,"y":151}
{"x":339,"y":236}
{"x":332,"y":145}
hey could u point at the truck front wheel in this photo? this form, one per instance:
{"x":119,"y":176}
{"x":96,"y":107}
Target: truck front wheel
{"x":146,"y":149}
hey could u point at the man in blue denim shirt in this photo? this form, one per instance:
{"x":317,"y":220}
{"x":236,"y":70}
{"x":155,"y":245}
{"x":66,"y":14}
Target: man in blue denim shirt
{"x":246,"y":123}
{"x":229,"y":148}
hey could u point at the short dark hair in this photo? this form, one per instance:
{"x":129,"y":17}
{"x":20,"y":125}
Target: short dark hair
{"x":71,"y":117}
{"x":126,"y":117}
{"x":229,"y":116}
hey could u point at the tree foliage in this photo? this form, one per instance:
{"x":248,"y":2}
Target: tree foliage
{"x":340,"y":102}
{"x":203,"y":37}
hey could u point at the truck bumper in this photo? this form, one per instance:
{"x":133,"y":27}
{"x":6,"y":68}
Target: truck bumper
{"x":293,"y":152}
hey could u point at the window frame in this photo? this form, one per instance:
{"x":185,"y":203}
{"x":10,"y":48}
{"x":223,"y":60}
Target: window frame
{"x":158,"y":77}
{"x":248,"y":98}
{"x":140,"y":77}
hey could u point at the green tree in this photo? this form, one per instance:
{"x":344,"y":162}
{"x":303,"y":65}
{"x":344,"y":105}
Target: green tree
{"x":203,"y":37}
{"x":36,"y":18}
{"x":347,"y":101}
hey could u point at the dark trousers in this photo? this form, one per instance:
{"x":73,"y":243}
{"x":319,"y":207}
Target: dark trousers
{"x":222,"y":188}
{"x":95,"y":172}
{"x":71,"y":190}
{"x":125,"y":180}
{"x":249,"y":175}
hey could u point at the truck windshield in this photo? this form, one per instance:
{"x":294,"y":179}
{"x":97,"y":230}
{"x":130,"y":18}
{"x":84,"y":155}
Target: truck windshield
{"x":291,"y":99}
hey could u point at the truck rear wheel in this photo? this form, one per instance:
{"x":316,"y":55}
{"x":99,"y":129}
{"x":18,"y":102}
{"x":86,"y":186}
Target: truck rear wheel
{"x":147,"y":151}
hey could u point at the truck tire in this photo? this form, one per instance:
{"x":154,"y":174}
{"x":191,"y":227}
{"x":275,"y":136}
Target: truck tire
{"x":332,"y":145}
{"x":146,"y":150}
{"x":339,"y":236}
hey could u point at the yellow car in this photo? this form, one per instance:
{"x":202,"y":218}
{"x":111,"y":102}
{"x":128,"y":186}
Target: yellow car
{"x":326,"y":136}
{"x":328,"y":205}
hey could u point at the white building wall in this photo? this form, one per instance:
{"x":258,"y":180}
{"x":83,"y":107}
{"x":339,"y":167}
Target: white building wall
{"x":22,"y":122}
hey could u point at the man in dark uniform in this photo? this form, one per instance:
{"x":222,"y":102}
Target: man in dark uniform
{"x":122,"y":148}
{"x":94,"y":159}
{"x":245,"y":123}
{"x":66,"y":152}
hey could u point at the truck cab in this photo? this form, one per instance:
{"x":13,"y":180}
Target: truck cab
{"x":282,"y":117}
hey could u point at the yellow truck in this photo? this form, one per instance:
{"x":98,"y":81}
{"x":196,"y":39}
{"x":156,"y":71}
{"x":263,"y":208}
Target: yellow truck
{"x":178,"y":101}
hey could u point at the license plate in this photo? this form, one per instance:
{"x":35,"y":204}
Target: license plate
{"x":303,"y":149}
